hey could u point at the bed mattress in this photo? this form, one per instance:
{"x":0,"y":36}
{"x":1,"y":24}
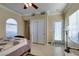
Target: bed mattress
{"x":9,"y":48}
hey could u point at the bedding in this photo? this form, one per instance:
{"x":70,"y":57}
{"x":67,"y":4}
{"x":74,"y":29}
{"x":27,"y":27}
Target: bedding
{"x":14,"y":47}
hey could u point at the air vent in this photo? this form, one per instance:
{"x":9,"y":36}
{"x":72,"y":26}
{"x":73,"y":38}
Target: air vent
{"x":43,"y":13}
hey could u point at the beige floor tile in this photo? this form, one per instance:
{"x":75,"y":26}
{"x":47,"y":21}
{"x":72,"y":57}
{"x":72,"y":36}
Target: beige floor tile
{"x":47,"y":50}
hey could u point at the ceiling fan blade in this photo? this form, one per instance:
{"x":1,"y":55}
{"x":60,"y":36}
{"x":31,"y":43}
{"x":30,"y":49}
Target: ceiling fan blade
{"x":34,"y":6}
{"x":25,"y":6}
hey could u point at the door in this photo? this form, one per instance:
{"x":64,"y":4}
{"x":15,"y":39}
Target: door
{"x":34,"y":31}
{"x":41,"y":31}
{"x":38,"y":31}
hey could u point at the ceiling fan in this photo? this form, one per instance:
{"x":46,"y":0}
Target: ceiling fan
{"x":26,"y":5}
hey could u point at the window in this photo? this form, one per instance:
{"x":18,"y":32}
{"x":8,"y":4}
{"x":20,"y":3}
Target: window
{"x":11,"y":28}
{"x":58,"y":31}
{"x":74,"y":27}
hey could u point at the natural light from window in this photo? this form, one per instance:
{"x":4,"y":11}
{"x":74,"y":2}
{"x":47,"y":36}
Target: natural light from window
{"x":11,"y":28}
{"x":58,"y":31}
{"x":74,"y":27}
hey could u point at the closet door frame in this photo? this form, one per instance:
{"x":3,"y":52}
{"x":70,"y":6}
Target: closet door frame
{"x":45,"y":34}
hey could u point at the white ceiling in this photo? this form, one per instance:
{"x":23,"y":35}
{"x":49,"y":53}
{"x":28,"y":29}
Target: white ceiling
{"x":50,"y":8}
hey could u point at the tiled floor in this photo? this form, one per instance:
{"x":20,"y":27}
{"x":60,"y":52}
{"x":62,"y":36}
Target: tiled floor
{"x":47,"y":50}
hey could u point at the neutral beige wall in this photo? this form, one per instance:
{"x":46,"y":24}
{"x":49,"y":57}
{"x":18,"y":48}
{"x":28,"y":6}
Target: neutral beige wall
{"x":51,"y":20}
{"x":5,"y":15}
{"x":67,"y":12}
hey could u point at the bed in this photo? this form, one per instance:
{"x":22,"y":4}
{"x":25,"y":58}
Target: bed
{"x":17,"y":47}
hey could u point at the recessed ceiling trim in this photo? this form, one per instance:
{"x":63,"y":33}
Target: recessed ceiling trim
{"x":53,"y":9}
{"x":10,"y":10}
{"x":54,"y":13}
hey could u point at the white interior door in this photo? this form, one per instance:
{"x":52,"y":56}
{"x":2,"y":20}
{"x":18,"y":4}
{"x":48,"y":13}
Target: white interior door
{"x":41,"y":31}
{"x":35,"y":31}
{"x":38,"y":31}
{"x":33,"y":27}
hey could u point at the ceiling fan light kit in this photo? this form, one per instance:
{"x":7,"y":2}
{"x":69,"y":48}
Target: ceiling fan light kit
{"x":26,"y":5}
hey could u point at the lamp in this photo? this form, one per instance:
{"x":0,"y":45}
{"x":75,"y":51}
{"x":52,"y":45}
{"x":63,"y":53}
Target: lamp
{"x":28,"y":4}
{"x":67,"y":37}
